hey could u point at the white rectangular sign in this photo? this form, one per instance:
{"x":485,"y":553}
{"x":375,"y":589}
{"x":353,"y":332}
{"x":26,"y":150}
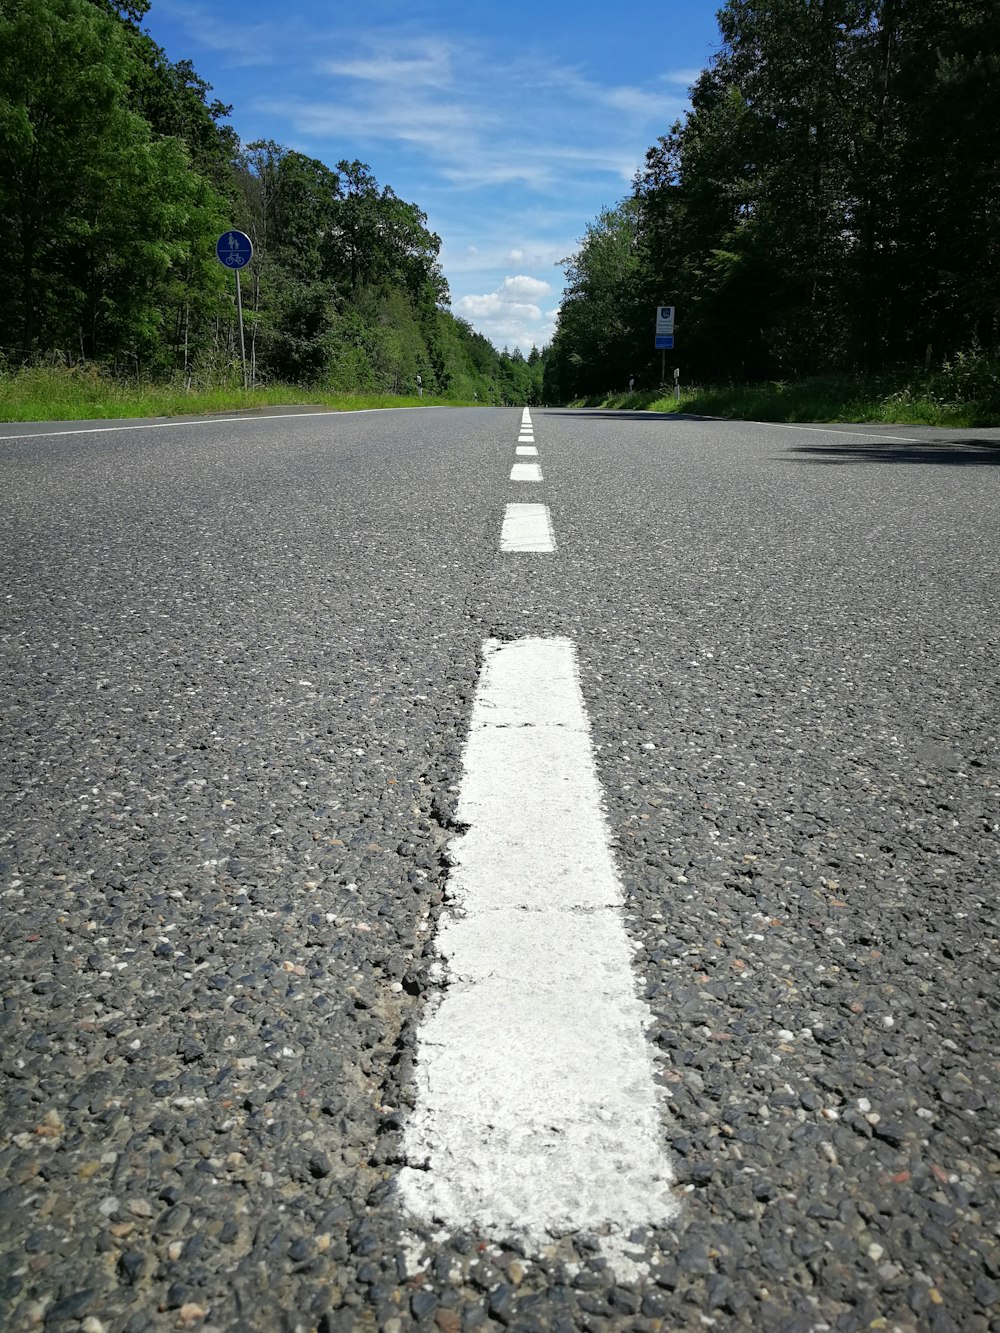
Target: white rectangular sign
{"x":664,"y":321}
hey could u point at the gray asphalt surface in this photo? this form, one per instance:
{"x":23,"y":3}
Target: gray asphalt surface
{"x":238,"y":665}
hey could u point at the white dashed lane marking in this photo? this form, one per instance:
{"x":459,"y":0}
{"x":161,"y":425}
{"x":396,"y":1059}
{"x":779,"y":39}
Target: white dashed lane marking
{"x":537,"y":1113}
{"x":526,"y":472}
{"x":527,"y":527}
{"x":527,"y":450}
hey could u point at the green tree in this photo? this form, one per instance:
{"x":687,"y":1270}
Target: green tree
{"x":95,"y":213}
{"x":117,"y":173}
{"x":831,"y":201}
{"x":943,"y":229}
{"x":597,"y":340}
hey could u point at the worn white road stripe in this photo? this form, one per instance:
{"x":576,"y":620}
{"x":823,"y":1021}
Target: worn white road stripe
{"x":831,"y":430}
{"x":526,"y":438}
{"x":526,"y":472}
{"x":536,"y":1113}
{"x":216,"y":420}
{"x":527,"y":528}
{"x":527,"y":451}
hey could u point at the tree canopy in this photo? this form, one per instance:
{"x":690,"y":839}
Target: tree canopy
{"x":830,"y":202}
{"x":118,"y":171}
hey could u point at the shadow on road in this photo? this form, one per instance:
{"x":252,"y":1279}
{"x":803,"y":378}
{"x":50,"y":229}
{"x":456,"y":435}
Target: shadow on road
{"x":941,"y":449}
{"x":963,"y":451}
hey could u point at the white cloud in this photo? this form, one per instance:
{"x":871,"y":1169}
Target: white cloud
{"x":510,"y":316}
{"x":428,"y":67}
{"x":407,"y":118}
{"x":493,"y":306}
{"x":476,"y":252}
{"x":241,"y":43}
{"x":684,"y":77}
{"x":524,"y":287}
{"x":468,"y":112}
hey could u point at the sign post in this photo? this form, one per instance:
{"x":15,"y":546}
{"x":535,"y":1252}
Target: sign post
{"x":664,"y":336}
{"x":234,"y":250}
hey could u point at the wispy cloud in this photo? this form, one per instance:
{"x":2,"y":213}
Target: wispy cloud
{"x":683,"y":77}
{"x":429,"y":66}
{"x":506,"y":240}
{"x":405,"y":119}
{"x":241,"y":43}
{"x":644,"y":102}
{"x":485,"y":123}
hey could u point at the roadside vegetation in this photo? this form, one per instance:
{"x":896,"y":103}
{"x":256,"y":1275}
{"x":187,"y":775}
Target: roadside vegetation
{"x":119,"y":171}
{"x":86,"y":392}
{"x":825,"y":221}
{"x":962,"y":392}
{"x":80,"y":393}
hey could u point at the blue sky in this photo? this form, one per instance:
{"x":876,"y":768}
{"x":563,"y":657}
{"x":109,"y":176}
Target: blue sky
{"x":511,"y":125}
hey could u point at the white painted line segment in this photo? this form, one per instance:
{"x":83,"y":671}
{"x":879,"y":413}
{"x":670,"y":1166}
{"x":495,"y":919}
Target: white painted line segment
{"x":527,"y":450}
{"x":527,"y":527}
{"x":526,"y":472}
{"x":213,"y":421}
{"x":526,"y":437}
{"x":537,"y":1113}
{"x":829,"y":430}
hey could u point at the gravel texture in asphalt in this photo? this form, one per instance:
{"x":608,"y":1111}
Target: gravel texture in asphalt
{"x":238,"y":666}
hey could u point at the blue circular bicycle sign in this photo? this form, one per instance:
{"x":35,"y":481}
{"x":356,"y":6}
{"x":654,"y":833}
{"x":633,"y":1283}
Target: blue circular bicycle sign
{"x":234,"y":249}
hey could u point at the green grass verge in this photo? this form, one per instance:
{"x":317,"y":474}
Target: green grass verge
{"x":81,"y":394}
{"x":965,"y":392}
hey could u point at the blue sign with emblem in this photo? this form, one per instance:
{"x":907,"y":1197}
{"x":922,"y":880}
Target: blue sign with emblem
{"x":234,"y":249}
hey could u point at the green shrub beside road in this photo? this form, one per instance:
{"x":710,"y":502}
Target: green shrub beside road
{"x":963,"y":392}
{"x":69,"y":394}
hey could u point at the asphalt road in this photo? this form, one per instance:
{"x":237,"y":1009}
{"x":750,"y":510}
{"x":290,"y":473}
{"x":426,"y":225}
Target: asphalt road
{"x":239,"y":660}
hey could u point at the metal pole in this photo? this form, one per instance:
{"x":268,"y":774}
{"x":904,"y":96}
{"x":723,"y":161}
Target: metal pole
{"x":243,"y":349}
{"x":663,"y":367}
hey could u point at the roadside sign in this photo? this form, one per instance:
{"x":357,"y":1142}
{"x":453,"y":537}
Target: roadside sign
{"x":664,"y":328}
{"x":234,"y":249}
{"x":665,"y":320}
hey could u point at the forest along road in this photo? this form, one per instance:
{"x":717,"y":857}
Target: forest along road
{"x":473,"y":867}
